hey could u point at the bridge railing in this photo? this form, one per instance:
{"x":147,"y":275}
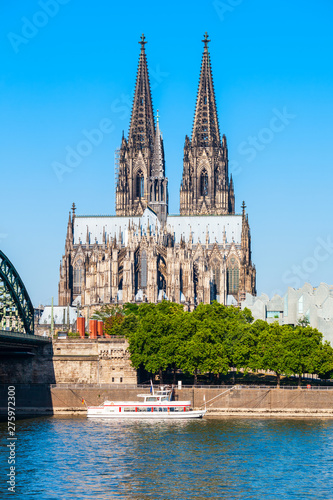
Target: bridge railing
{"x":25,"y":336}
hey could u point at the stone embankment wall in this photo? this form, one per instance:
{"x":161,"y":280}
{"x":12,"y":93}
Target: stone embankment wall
{"x":244,"y":402}
{"x":247,"y":401}
{"x":85,"y":361}
{"x":88,"y":361}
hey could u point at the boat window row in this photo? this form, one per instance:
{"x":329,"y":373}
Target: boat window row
{"x":146,"y":409}
{"x":154,"y":399}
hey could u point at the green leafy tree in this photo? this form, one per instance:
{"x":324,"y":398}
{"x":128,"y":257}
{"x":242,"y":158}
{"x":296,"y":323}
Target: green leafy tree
{"x":113,"y":324}
{"x":203,"y":349}
{"x":193,"y":349}
{"x":272,"y":351}
{"x":325,"y":361}
{"x":112,"y":317}
{"x":227,"y":325}
{"x":150,"y":340}
{"x":130,"y":308}
{"x":107,"y":311}
{"x":304,"y":321}
{"x":242,"y":345}
{"x":303,"y":345}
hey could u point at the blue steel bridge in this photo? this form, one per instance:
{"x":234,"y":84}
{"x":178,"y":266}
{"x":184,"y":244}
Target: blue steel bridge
{"x":16,"y":313}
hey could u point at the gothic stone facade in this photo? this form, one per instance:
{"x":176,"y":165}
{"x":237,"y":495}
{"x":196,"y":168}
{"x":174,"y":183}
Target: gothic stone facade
{"x":145,"y":254}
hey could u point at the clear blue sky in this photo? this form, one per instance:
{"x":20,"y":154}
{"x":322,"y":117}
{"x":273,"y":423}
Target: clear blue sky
{"x":78,"y":67}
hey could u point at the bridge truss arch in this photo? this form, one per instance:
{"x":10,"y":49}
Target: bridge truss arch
{"x":16,"y":309}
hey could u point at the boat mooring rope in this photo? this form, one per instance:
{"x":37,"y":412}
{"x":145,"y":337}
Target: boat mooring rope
{"x":221,"y":394}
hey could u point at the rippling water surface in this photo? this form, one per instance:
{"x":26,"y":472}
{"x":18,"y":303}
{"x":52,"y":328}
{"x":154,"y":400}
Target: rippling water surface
{"x":65,"y":458}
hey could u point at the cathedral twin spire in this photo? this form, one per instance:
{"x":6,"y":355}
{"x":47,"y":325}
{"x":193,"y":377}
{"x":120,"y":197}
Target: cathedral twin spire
{"x":141,"y":169}
{"x":141,"y":182}
{"x":142,"y":127}
{"x":205,"y":188}
{"x":206,"y":127}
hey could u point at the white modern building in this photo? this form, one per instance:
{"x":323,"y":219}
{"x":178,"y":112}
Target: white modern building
{"x":316,"y":304}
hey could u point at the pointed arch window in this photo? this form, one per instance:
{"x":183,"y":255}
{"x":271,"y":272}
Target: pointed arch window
{"x":140,"y":184}
{"x":195,"y":279}
{"x":161,"y":273}
{"x":120,"y":275}
{"x":156,"y":191}
{"x":136,"y":271}
{"x":204,"y":183}
{"x":215,"y":283}
{"x":77,"y":277}
{"x":233,"y":277}
{"x":143,"y":269}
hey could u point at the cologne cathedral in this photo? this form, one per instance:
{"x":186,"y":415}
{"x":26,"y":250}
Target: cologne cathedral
{"x":143,"y":253}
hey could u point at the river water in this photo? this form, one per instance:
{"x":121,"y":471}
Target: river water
{"x":226,"y":458}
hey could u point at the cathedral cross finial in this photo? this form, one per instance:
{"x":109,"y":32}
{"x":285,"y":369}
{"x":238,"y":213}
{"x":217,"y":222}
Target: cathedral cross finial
{"x":243,"y":207}
{"x":73,"y":209}
{"x":206,"y":40}
{"x":142,"y":41}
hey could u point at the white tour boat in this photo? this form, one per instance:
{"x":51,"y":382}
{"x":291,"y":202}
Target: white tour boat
{"x":154,"y":405}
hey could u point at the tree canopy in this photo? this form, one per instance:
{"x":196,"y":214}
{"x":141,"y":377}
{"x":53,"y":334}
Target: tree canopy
{"x":214,"y":338}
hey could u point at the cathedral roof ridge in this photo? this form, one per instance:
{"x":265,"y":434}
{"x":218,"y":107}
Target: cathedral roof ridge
{"x":205,"y":215}
{"x":83,"y":216}
{"x":93,"y":216}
